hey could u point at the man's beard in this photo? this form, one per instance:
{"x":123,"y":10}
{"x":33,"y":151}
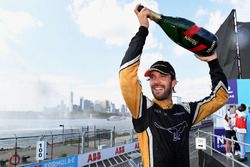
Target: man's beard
{"x":164,"y":95}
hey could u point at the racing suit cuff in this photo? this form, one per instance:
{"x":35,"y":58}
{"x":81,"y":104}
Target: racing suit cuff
{"x":214,"y":64}
{"x":143,"y":31}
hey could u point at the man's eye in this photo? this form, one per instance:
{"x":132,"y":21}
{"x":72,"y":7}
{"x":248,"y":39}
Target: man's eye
{"x":163,"y":76}
{"x":151,"y":78}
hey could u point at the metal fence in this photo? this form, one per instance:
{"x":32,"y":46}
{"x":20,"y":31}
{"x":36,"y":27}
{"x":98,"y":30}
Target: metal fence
{"x":210,"y":137}
{"x":19,"y":150}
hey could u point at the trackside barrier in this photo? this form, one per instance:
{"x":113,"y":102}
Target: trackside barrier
{"x":21,"y":150}
{"x":88,"y":158}
{"x":70,"y":161}
{"x":211,"y":136}
{"x":100,"y":155}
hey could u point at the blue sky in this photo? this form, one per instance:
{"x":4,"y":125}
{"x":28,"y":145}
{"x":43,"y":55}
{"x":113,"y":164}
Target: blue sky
{"x":49,"y":48}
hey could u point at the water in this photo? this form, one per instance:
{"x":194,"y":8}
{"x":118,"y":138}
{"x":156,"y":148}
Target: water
{"x":11,"y":128}
{"x":24,"y":127}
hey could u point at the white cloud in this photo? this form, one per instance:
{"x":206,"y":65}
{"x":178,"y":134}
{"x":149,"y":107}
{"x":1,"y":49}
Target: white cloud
{"x":216,"y":18}
{"x":21,"y":90}
{"x":109,"y":20}
{"x":13,"y":24}
{"x":200,"y":13}
{"x":242,"y":9}
{"x":193,"y":89}
{"x":180,"y":51}
{"x":17,"y":22}
{"x":4,"y":48}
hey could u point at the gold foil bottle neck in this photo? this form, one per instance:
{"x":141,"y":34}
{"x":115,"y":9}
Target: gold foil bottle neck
{"x":155,"y":16}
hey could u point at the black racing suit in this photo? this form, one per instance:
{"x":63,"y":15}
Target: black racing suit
{"x":163,"y":128}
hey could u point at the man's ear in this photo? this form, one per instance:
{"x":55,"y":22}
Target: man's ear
{"x":174,"y":83}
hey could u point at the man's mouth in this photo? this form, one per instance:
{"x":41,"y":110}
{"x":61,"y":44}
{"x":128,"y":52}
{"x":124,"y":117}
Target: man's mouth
{"x":158,"y":89}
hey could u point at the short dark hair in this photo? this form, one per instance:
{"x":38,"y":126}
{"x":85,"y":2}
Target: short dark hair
{"x":242,"y":107}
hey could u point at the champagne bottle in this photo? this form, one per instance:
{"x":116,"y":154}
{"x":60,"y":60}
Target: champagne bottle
{"x":186,"y":33}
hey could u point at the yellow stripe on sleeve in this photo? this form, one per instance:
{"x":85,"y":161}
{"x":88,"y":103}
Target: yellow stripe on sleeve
{"x":144,"y":148}
{"x":131,"y":88}
{"x":209,"y":107}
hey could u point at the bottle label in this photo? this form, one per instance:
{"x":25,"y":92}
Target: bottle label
{"x":189,"y":33}
{"x":192,"y":31}
{"x":191,"y":40}
{"x":212,"y":47}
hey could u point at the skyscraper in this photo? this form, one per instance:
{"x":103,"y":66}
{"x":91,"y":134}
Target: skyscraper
{"x":71,"y":101}
{"x":81,"y":104}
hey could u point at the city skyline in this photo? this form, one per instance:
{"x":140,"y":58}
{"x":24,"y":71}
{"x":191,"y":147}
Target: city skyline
{"x":81,"y":104}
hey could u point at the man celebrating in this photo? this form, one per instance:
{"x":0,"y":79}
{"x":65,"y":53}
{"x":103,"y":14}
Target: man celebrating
{"x":163,"y":127}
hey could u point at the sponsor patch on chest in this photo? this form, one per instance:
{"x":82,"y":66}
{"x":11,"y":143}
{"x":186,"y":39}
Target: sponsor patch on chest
{"x":165,"y":113}
{"x":175,"y":131}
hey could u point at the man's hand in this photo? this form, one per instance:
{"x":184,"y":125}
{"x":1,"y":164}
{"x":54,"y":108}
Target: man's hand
{"x":207,"y":58}
{"x":143,"y":15}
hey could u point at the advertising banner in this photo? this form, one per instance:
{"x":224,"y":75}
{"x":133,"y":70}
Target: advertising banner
{"x":232,"y":92}
{"x":61,"y":162}
{"x":100,"y":155}
{"x":88,"y":158}
{"x":219,"y":142}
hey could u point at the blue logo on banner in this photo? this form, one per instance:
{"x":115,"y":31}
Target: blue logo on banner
{"x":71,"y":161}
{"x":232,"y":92}
{"x":219,"y":142}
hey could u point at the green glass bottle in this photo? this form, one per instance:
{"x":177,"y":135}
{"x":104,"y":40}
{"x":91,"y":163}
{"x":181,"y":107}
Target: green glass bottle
{"x":186,"y":33}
